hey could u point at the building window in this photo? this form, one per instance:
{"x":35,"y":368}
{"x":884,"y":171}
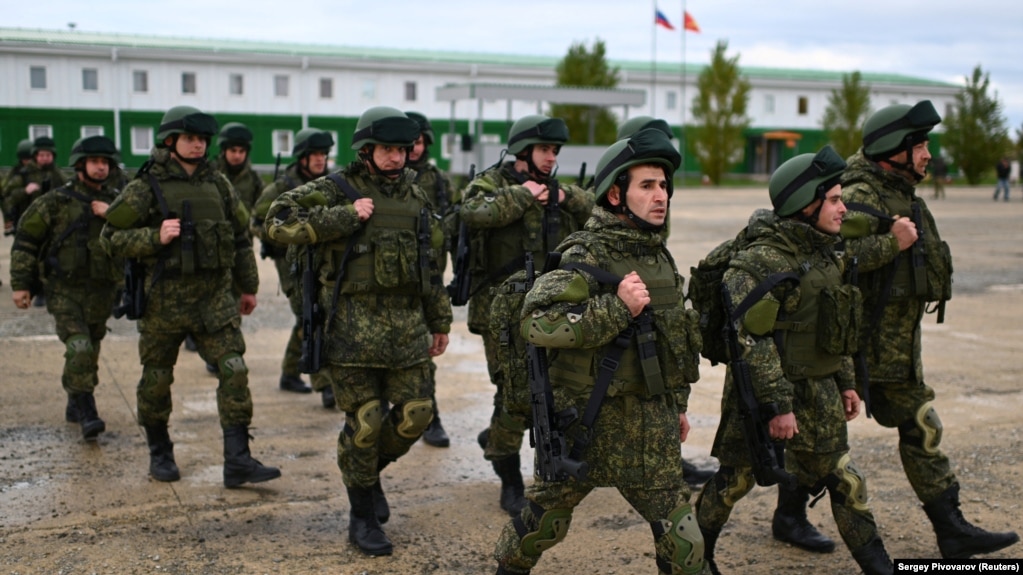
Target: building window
{"x":671,"y":100}
{"x":90,"y":79}
{"x":140,"y":81}
{"x":804,"y":105}
{"x":281,"y":143}
{"x":40,"y":131}
{"x":333,"y":149}
{"x":369,"y":90}
{"x":281,"y":86}
{"x":141,"y":140}
{"x":326,"y":88}
{"x":89,"y":131}
{"x":37,"y":77}
{"x":236,"y":84}
{"x":188,"y":82}
{"x":410,"y":91}
{"x":769,"y":103}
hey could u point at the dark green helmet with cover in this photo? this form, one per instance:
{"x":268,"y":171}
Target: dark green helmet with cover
{"x":25,"y":149}
{"x":633,"y":125}
{"x":898,"y":127}
{"x":234,"y":134}
{"x":182,"y":119}
{"x":94,"y":147}
{"x":44,"y":143}
{"x":386,"y":126}
{"x":536,"y":129}
{"x":309,"y":140}
{"x":803,"y":179}
{"x":650,"y":146}
{"x":424,"y":126}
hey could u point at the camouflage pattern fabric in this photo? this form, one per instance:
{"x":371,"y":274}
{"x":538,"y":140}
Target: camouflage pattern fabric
{"x":893,"y":350}
{"x":16,"y":200}
{"x":244,"y":179}
{"x":80,"y":304}
{"x":427,"y":178}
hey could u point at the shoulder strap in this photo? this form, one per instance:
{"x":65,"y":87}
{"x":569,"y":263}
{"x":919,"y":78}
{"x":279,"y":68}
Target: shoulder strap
{"x":158,"y":192}
{"x":870,"y":210}
{"x":353,"y":195}
{"x":347,"y":188}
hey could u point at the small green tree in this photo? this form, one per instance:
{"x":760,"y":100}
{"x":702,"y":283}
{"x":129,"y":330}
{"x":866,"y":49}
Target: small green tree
{"x":975,"y":133}
{"x":583,"y":67}
{"x":719,"y":115}
{"x":848,"y":109}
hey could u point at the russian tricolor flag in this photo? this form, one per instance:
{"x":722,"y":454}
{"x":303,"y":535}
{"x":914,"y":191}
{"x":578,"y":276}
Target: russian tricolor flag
{"x":661,"y":20}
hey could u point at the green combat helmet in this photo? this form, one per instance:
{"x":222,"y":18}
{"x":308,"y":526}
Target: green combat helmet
{"x":649,"y":146}
{"x":181,"y":119}
{"x":899,"y":127}
{"x":94,"y":147}
{"x":536,"y":129}
{"x":385,"y":125}
{"x":44,"y":143}
{"x":424,"y":126}
{"x":638,"y":123}
{"x":235,"y":134}
{"x":803,"y":179}
{"x":309,"y":140}
{"x":25,"y":149}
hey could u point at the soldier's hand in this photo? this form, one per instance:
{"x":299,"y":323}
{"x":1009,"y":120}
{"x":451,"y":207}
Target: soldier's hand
{"x":32,"y":188}
{"x":169,"y":230}
{"x":683,"y":427}
{"x":22,"y":298}
{"x":363,"y":208}
{"x":247,"y":303}
{"x":99,"y":208}
{"x":904,"y":231}
{"x":538,"y":190}
{"x":851,"y":404}
{"x":440,"y":343}
{"x":633,"y":292}
{"x":783,"y":426}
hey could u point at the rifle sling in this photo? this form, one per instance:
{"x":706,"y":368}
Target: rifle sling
{"x":352,"y":195}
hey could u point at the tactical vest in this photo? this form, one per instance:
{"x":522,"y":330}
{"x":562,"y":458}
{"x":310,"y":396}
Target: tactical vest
{"x":577,"y":369}
{"x":76,"y":253}
{"x":385,"y":258}
{"x":211,"y":245}
{"x":932,"y":284}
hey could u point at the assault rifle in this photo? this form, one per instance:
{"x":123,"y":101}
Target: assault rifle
{"x":133,"y":296}
{"x":264,"y":248}
{"x":312,"y":317}
{"x":766,"y":454}
{"x":187,"y":239}
{"x":426,"y":266}
{"x":547,"y":435}
{"x":458,"y":289}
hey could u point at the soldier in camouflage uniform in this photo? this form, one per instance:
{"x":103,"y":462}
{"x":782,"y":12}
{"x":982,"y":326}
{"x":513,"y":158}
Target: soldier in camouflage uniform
{"x":235,"y":143}
{"x":888,"y":224}
{"x":633,"y":444}
{"x":506,"y":211}
{"x":804,"y":376}
{"x":310,"y":152}
{"x":59,"y":233}
{"x":182,"y":219}
{"x":437,"y":187}
{"x":19,"y":170}
{"x":386,"y":311}
{"x":39,"y":177}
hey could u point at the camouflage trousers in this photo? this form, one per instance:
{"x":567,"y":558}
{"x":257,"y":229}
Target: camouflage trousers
{"x":291,"y":289}
{"x":158,"y":352}
{"x":898,"y":405}
{"x":730,"y":484}
{"x":560,"y":499}
{"x":368,"y":440}
{"x":506,"y":430}
{"x":80,"y":314}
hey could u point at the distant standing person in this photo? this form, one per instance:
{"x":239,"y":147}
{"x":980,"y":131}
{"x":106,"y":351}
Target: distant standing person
{"x":939,"y":174}
{"x":1002,"y":169}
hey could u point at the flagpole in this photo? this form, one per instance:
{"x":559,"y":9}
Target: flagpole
{"x":653,"y":64}
{"x":685,"y":102}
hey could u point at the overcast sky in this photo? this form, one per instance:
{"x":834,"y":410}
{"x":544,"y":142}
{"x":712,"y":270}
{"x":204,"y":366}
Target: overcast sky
{"x":935,"y":39}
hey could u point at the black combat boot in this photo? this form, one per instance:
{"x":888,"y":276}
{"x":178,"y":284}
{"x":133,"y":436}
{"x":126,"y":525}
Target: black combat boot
{"x":695,"y":476}
{"x":710,"y":539}
{"x":363,"y":527}
{"x":873,"y":558}
{"x":502,"y":571}
{"x":71,"y":411}
{"x":513,"y":491}
{"x":957,"y":537}
{"x":435,"y":434}
{"x":92,"y":425}
{"x":294,"y":384}
{"x":380,"y":505}
{"x":327,"y":397}
{"x":239,"y":466}
{"x":190,"y":343}
{"x":161,"y":454}
{"x":791,"y":525}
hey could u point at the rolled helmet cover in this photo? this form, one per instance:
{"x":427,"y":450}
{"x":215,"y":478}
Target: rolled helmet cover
{"x":385,"y":126}
{"x":638,"y":123}
{"x":310,"y":140}
{"x":234,"y":134}
{"x":898,"y":128}
{"x":649,"y":146}
{"x":93,"y":147}
{"x":536,"y":129}
{"x":803,"y":179}
{"x":424,"y":126}
{"x":181,"y":119}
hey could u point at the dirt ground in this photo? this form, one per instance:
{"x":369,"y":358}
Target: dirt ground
{"x":71,"y":507}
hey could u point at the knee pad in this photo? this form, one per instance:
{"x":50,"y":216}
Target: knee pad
{"x":924,"y":430}
{"x":365,"y":424}
{"x":80,"y":354}
{"x":232,"y":365}
{"x":414,"y":417}
{"x":679,"y":542}
{"x":733,"y":486}
{"x":551,"y":527}
{"x":847,"y":485}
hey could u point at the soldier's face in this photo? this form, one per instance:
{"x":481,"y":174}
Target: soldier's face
{"x":921,"y":157}
{"x":829,"y":221}
{"x":316,"y":163}
{"x":417,"y":149}
{"x":389,"y":157}
{"x":44,"y":157}
{"x":97,"y":168}
{"x":235,"y":155}
{"x":190,"y":146}
{"x":545,"y":156}
{"x":647,"y":196}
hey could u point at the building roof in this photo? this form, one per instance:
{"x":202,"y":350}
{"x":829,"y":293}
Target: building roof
{"x":24,"y":36}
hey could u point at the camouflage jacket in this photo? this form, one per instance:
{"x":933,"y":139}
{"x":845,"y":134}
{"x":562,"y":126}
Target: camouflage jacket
{"x":16,"y":200}
{"x":245,"y":180}
{"x":365,"y":329}
{"x":289,"y":180}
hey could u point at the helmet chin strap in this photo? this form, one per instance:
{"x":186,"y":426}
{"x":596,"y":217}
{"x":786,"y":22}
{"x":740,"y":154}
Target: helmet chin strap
{"x":180,"y":158}
{"x":368,"y":158}
{"x":907,"y":166}
{"x":304,"y":168}
{"x":639,"y":222}
{"x":90,"y":179}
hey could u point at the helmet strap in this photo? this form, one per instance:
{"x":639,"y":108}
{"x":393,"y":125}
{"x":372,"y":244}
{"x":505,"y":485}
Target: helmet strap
{"x":623,"y":208}
{"x":366,"y":155}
